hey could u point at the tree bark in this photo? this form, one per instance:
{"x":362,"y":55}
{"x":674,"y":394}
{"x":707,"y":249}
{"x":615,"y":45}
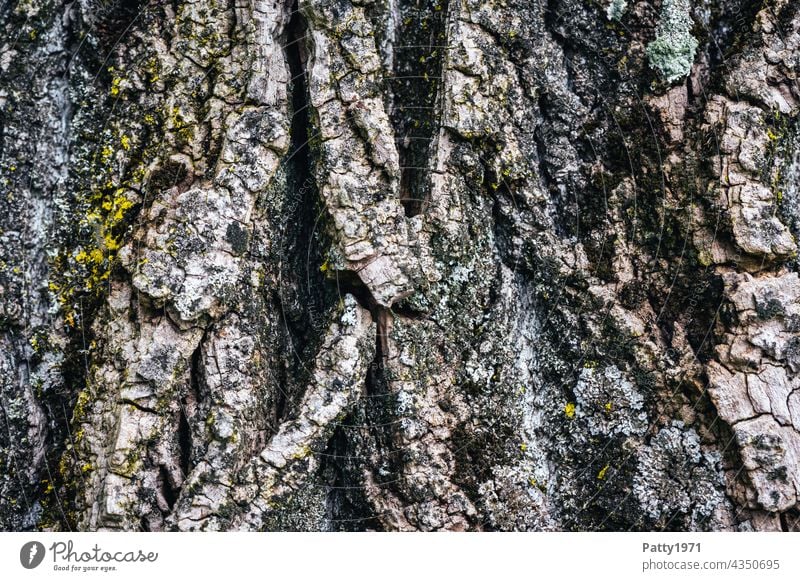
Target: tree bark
{"x":399,"y":265}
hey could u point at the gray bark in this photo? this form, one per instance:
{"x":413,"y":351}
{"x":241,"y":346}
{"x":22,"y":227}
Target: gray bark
{"x":399,"y":265}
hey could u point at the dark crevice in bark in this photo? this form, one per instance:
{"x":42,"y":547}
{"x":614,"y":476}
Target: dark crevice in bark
{"x":784,"y":523}
{"x":555,"y":21}
{"x":417,"y":69}
{"x":408,"y":311}
{"x":281,"y":393}
{"x":300,"y":100}
{"x":138,"y":406}
{"x":376,"y":371}
{"x":731,"y":24}
{"x":375,"y":412}
{"x":299,"y":165}
{"x":196,"y":372}
{"x":380,"y":413}
{"x":169,"y":174}
{"x":347,"y":506}
{"x":185,"y":443}
{"x":169,"y":489}
{"x":348,"y":282}
{"x":540,"y":137}
{"x":188,"y":407}
{"x":790,"y":521}
{"x":503,"y":229}
{"x":304,"y":296}
{"x":111,"y":21}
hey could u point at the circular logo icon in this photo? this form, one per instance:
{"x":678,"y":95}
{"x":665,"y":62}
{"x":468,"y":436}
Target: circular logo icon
{"x":31,"y":554}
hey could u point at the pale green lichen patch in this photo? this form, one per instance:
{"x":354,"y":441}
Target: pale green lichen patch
{"x":616,"y":9}
{"x":672,"y":52}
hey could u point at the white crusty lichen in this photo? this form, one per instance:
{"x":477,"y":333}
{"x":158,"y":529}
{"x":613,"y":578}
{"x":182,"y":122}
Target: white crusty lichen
{"x":673,"y":50}
{"x":616,"y":9}
{"x":350,"y":311}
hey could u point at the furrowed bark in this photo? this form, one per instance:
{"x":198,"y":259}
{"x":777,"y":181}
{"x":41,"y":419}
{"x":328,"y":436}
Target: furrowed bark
{"x":399,"y":265}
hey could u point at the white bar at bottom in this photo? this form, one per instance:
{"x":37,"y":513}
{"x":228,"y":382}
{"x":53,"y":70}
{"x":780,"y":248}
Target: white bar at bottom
{"x":389,"y":556}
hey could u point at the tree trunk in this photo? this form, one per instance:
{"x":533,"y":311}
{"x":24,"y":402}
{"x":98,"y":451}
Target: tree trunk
{"x":399,"y":265}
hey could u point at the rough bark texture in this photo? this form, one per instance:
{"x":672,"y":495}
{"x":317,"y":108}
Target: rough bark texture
{"x":399,"y":265}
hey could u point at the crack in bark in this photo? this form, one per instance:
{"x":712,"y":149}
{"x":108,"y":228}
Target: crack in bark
{"x":415,"y":94}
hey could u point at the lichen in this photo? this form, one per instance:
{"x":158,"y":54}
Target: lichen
{"x":616,"y":9}
{"x":672,"y":52}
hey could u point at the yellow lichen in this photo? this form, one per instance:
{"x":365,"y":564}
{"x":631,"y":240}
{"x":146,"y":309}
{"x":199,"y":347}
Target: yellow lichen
{"x":79,"y":411}
{"x":63,"y":466}
{"x":705,"y":258}
{"x":115,"y":85}
{"x":603,"y":471}
{"x":569,"y":410}
{"x":303,"y":452}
